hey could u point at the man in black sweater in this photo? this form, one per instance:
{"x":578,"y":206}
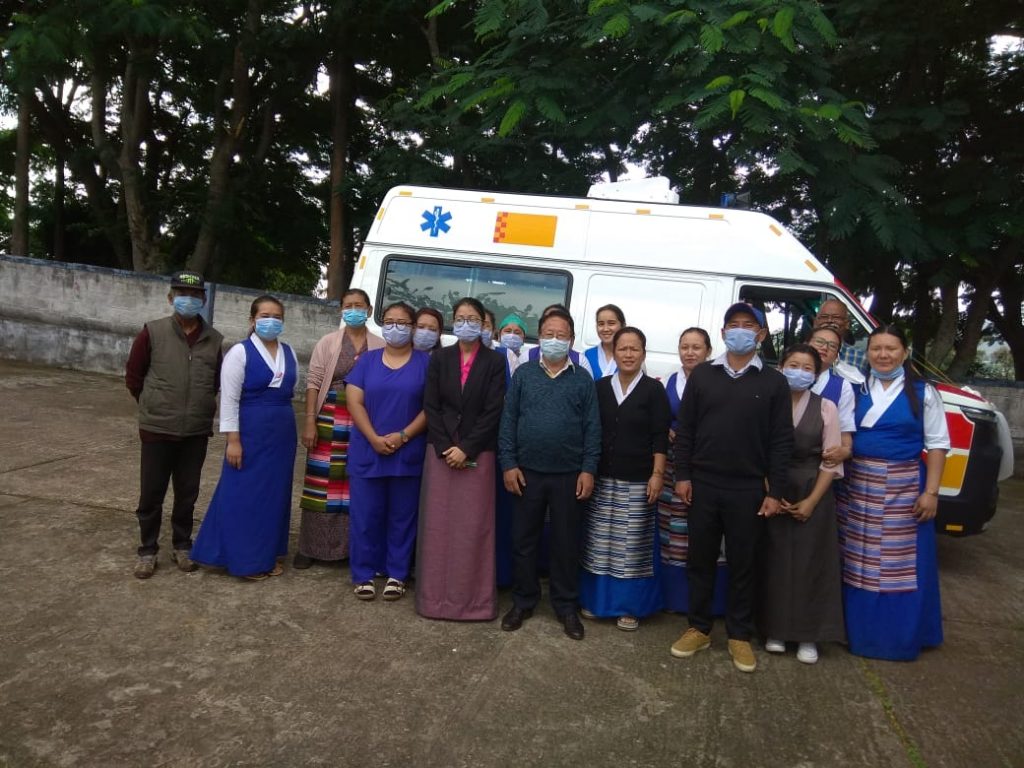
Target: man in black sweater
{"x":732,"y":450}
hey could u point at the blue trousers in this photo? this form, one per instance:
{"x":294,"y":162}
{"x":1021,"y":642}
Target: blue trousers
{"x":382,"y":526}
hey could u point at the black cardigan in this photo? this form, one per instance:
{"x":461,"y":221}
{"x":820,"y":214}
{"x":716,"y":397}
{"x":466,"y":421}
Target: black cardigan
{"x":633,"y":432}
{"x":467,"y":417}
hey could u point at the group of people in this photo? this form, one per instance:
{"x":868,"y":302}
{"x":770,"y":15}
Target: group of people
{"x":477,"y":465}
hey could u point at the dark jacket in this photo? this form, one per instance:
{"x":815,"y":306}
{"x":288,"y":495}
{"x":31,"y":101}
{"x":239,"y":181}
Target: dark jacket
{"x":735,"y":433}
{"x":464,"y":417}
{"x":179,"y":395}
{"x":631,"y":433}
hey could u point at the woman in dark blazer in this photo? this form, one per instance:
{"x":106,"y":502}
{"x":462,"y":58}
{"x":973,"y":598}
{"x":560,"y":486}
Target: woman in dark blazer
{"x":455,"y":548}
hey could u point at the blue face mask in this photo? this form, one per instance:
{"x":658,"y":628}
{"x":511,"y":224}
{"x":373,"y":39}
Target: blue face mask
{"x":486,"y":337}
{"x":895,"y":373}
{"x":466,"y":331}
{"x":740,"y":341}
{"x":354,"y":318}
{"x":512,"y":341}
{"x":187,"y":306}
{"x":397,"y":337}
{"x":424,"y":339}
{"x":554,"y":349}
{"x":798,"y":378}
{"x":269,"y":328}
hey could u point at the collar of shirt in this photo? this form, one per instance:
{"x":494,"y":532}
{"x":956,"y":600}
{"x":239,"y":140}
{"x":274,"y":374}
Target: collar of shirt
{"x":723,"y":360}
{"x":555,"y":374}
{"x":620,"y":393}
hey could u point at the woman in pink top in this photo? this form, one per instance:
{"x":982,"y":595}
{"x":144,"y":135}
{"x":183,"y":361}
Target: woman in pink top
{"x":455,"y":570}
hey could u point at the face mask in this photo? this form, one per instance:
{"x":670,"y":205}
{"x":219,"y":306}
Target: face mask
{"x":269,"y":328}
{"x":397,"y":337}
{"x":466,"y":331}
{"x":554,"y":349}
{"x":187,"y":306}
{"x":356,"y":318}
{"x":512,"y":341}
{"x":740,"y":341}
{"x":486,"y":336}
{"x":895,"y":373}
{"x":424,"y":339}
{"x":798,"y":378}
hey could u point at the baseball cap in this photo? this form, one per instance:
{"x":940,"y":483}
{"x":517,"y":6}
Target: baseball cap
{"x":186,"y":278}
{"x":747,"y":309}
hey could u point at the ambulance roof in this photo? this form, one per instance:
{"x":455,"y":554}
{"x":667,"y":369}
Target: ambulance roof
{"x":564,"y":229}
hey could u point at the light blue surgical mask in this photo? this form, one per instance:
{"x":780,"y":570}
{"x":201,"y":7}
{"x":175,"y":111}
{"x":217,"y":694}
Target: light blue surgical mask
{"x":466,"y":331}
{"x":354,"y":318}
{"x":187,"y":306}
{"x":397,"y":336}
{"x":892,"y":375}
{"x":512,"y":341}
{"x":798,"y":378}
{"x":424,"y":339}
{"x":269,"y":328}
{"x":554,"y":349}
{"x":486,"y":337}
{"x":740,"y":341}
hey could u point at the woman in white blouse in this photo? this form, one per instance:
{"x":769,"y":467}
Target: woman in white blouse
{"x":887,"y":534}
{"x":246,"y":527}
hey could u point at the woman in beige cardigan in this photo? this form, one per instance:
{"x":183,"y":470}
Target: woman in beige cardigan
{"x":323,"y":533}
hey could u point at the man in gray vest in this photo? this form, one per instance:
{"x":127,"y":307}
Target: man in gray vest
{"x":173,"y":371}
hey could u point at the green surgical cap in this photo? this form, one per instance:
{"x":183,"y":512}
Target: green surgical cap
{"x":512,"y":319}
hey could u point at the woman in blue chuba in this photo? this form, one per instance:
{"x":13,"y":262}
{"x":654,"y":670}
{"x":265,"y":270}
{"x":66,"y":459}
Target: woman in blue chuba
{"x":886,"y":516}
{"x":246,"y":527}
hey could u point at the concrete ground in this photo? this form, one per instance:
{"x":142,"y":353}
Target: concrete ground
{"x":100,"y":669}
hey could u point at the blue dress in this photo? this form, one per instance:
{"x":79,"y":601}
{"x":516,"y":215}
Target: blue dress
{"x":890,"y":568}
{"x":246,"y":527}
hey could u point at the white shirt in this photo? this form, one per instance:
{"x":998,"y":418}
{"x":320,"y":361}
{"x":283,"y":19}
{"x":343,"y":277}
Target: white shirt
{"x":607,"y":365}
{"x":723,"y":360}
{"x":555,"y":374}
{"x":846,"y":405}
{"x":936,"y":433}
{"x":617,"y":390}
{"x":232,"y":376}
{"x":680,"y":382}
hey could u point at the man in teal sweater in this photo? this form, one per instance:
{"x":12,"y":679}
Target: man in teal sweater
{"x":548,"y":447}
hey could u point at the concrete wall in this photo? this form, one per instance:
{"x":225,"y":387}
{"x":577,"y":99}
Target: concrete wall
{"x":83,"y":317}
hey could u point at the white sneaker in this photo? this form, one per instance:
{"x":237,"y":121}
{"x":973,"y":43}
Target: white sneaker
{"x":807,"y":653}
{"x":775,"y":646}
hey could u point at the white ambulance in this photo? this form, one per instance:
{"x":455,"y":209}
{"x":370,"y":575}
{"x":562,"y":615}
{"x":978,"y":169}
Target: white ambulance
{"x":667,"y":266}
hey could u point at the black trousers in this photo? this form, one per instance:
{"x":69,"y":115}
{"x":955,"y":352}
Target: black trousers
{"x":180,"y":461}
{"x":716,"y":512}
{"x":555,"y":493}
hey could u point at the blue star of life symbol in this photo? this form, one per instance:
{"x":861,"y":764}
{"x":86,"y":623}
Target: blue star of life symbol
{"x":436,"y":221}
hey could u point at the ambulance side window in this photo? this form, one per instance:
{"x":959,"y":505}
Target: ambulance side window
{"x":439,"y":283}
{"x":789,"y":312}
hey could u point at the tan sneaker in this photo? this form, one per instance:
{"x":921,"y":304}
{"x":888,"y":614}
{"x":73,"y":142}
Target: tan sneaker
{"x":691,"y":641}
{"x":145,"y":566}
{"x":180,"y":557}
{"x":742,"y":655}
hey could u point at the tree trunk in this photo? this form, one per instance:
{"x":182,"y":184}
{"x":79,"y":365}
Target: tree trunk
{"x":1010,"y":322}
{"x":967,"y":346}
{"x":19,"y":233}
{"x":228,"y":140}
{"x":945,"y":334}
{"x":342,"y":73}
{"x":58,"y":207}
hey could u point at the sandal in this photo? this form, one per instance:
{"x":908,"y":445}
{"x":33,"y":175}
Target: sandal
{"x":628,"y":623}
{"x":277,"y":570}
{"x":365,"y":591}
{"x":394,"y":589}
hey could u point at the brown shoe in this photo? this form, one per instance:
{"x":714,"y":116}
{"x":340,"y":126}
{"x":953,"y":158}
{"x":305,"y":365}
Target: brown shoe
{"x":145,"y":567}
{"x":691,"y":641}
{"x":180,"y":557}
{"x":742,"y":655}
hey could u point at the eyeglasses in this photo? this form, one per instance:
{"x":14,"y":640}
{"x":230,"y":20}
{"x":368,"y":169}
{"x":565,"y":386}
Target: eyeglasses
{"x":837,"y":318}
{"x":471,"y":319}
{"x":554,"y":335}
{"x":822,"y":344}
{"x":390,"y":325}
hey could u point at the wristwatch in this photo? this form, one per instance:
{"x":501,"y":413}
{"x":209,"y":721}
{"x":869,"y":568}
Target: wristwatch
{"x":405,"y":437}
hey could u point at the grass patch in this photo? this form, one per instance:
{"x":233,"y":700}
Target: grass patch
{"x":878,"y":688}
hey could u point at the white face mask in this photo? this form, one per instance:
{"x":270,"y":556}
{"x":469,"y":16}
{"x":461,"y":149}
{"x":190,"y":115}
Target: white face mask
{"x":554,"y":349}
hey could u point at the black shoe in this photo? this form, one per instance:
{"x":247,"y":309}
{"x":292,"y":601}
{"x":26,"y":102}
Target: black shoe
{"x":514,"y":619}
{"x":572,"y":624}
{"x":301,"y":561}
